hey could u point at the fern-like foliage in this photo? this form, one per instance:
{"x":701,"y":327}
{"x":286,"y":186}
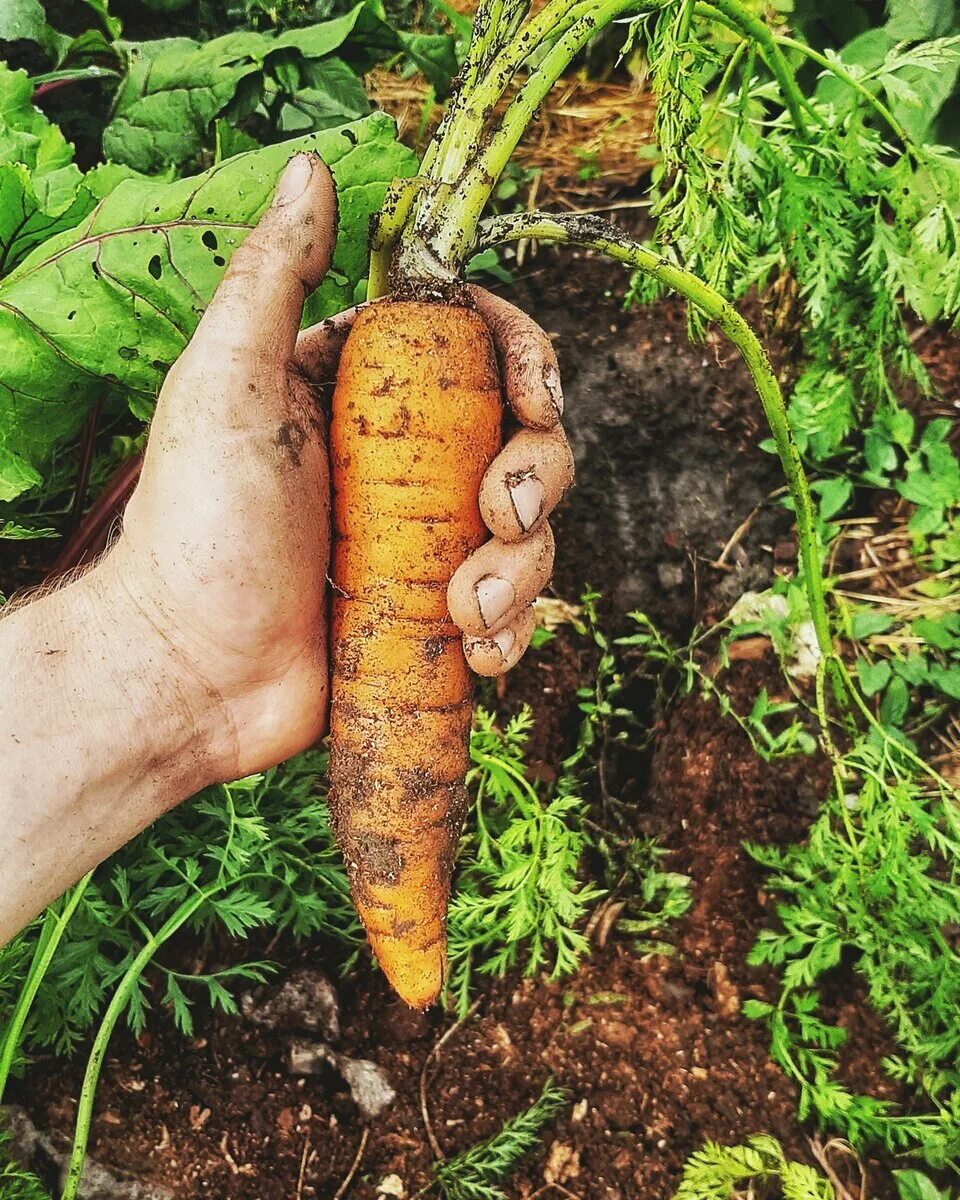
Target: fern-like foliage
{"x":519,"y":898}
{"x":477,"y":1173}
{"x":757,"y":1169}
{"x":850,"y":222}
{"x":16,"y":1183}
{"x":877,"y":882}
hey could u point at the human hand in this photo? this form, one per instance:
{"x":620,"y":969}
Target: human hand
{"x":225,"y":546}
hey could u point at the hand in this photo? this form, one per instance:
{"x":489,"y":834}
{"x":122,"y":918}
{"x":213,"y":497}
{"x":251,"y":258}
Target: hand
{"x":226,"y":540}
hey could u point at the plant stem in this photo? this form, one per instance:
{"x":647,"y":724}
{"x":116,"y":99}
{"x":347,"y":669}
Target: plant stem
{"x":745,"y":22}
{"x":52,"y":931}
{"x":98,"y":1051}
{"x":718,"y":95}
{"x":455,"y":232}
{"x":836,"y":69}
{"x":474,"y":105}
{"x":599,"y":235}
{"x":387,"y":227}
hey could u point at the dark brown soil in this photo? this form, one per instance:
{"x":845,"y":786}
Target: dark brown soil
{"x":653,"y":1049}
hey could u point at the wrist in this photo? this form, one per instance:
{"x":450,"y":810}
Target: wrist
{"x":102,"y":729}
{"x":183,"y":735}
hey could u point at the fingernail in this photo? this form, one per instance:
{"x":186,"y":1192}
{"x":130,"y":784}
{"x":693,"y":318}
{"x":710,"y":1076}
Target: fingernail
{"x":504,"y":641}
{"x":551,"y":381}
{"x":495,"y":596}
{"x":527,"y":496}
{"x":293,"y":182}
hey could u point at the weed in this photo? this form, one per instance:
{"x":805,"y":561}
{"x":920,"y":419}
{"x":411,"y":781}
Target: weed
{"x":759,"y":1167}
{"x":476,"y":1174}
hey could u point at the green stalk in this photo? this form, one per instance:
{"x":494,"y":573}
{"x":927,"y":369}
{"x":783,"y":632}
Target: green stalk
{"x":454,"y":233}
{"x":721,"y":91}
{"x":735,"y":15}
{"x":598,"y":235}
{"x":461,"y":138}
{"x":98,"y":1051}
{"x":836,"y":69}
{"x":51,"y":933}
{"x":484,"y":43}
{"x":386,"y":229}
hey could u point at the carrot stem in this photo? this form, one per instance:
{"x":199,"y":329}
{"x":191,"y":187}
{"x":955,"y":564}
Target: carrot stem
{"x":596,"y":234}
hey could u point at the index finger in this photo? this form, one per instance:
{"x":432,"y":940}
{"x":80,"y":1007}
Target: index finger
{"x":528,"y":361}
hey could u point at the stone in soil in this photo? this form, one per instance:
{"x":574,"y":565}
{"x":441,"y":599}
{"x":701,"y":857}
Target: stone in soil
{"x":305,"y":1002}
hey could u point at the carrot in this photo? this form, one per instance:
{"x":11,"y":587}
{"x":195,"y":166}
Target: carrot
{"x":416,"y":422}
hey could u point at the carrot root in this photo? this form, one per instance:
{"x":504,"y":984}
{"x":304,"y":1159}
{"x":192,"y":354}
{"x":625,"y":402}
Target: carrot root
{"x":416,"y":422}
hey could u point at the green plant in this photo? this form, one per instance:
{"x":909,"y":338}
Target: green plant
{"x":770,"y":735}
{"x":106,"y":307}
{"x":913,"y":1185}
{"x":757,"y":1168}
{"x":518,"y":895}
{"x":476,"y":1174}
{"x":15,"y":1182}
{"x":876,"y":883}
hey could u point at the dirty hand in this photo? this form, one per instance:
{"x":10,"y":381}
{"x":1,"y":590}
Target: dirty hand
{"x":225,"y":545}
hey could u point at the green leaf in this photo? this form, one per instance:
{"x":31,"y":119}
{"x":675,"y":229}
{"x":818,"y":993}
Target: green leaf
{"x":920,"y":81}
{"x":912,"y":1185}
{"x":834,"y":495}
{"x":947,"y":679}
{"x":40,"y":187}
{"x":176,"y":87}
{"x":114,"y":302}
{"x":867,"y":621}
{"x":25,"y":20}
{"x":16,"y":475}
{"x":919,"y":20}
{"x":896,"y":701}
{"x":936,"y":632}
{"x":873,"y":676}
{"x":913,"y":668}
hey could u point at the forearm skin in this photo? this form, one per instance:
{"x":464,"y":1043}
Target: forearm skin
{"x":102,"y":729}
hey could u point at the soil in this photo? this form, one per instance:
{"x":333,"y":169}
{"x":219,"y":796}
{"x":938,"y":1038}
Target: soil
{"x":653,"y":1048}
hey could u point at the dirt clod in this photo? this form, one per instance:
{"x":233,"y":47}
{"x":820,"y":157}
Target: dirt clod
{"x":306,"y":1001}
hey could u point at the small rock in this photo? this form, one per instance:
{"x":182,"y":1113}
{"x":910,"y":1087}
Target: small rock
{"x":369,"y":1086}
{"x":563,"y":1164}
{"x":724,"y":990}
{"x":391,"y":1185}
{"x":368,"y":1083}
{"x":306,"y":1000}
{"x":48,"y":1155}
{"x":670,"y":576}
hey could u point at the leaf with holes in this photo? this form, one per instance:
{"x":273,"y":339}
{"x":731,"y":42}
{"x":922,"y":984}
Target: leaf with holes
{"x":41,"y":190}
{"x":112,"y":303}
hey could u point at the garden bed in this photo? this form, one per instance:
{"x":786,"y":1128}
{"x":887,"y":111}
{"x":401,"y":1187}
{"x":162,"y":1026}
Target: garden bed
{"x":653,"y":1048}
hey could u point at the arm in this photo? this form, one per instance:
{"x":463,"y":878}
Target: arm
{"x":195,"y":651}
{"x":102,"y":728}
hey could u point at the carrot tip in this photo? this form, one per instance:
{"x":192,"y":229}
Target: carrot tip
{"x":416,"y":975}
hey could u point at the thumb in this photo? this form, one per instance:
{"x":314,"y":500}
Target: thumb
{"x":258,"y":306}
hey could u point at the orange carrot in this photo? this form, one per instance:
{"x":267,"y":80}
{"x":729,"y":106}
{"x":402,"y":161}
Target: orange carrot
{"x":416,"y":422}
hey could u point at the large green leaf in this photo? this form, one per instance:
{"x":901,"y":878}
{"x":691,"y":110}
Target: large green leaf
{"x":25,"y":20}
{"x":40,"y":187}
{"x":111,"y":304}
{"x":917,"y":20}
{"x":175,"y":87}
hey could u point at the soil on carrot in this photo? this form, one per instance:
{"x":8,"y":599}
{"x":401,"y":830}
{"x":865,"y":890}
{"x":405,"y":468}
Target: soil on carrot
{"x":671,"y":514}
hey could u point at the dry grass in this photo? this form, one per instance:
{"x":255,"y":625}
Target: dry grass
{"x":584,"y":146}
